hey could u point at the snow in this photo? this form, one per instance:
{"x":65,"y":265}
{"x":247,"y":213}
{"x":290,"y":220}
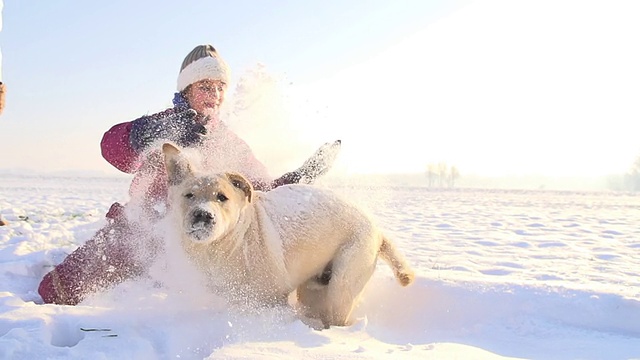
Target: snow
{"x":500,"y":274}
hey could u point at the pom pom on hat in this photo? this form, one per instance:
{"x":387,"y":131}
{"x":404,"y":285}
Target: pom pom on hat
{"x":203,"y":62}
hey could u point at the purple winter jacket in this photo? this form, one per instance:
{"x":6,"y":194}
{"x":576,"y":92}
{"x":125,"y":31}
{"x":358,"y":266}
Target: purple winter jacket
{"x":118,"y":150}
{"x":108,"y":258}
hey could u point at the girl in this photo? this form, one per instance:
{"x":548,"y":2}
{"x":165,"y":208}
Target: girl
{"x":124,"y":248}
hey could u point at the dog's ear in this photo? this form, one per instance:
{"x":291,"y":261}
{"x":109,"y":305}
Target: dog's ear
{"x":240,"y":182}
{"x":177,"y":166}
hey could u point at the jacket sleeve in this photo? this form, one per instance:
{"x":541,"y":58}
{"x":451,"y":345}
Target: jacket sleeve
{"x":117,"y":147}
{"x":117,"y":150}
{"x":292,"y":177}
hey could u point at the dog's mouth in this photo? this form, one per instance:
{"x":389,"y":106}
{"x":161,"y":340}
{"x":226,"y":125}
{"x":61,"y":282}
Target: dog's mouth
{"x":201,"y":225}
{"x":199,"y":234}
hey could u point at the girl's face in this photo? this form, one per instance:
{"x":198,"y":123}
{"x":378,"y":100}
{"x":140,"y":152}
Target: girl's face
{"x":206,"y":96}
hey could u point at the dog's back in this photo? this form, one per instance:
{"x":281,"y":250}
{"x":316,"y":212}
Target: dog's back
{"x":308,"y":224}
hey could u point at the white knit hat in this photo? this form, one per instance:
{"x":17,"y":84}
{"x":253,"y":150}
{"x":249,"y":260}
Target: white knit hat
{"x":203,"y":62}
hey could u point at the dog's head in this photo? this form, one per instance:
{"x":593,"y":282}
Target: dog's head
{"x":210,"y":205}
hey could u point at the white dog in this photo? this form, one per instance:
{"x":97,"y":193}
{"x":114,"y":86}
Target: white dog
{"x":258,"y":247}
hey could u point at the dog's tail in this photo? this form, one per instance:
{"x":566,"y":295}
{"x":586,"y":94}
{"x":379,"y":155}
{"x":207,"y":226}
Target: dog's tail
{"x":397,"y":262}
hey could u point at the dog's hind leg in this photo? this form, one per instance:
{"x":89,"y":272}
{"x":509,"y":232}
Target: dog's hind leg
{"x":352,"y":268}
{"x":311,"y":297}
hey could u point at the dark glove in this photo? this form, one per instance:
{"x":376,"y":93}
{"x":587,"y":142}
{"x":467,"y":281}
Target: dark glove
{"x":319,"y":163}
{"x":180,"y":128}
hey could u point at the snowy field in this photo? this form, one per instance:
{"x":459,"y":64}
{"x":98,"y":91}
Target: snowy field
{"x":501,"y":274}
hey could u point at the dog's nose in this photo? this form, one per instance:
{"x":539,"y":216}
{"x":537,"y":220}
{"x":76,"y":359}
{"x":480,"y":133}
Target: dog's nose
{"x":202,"y":216}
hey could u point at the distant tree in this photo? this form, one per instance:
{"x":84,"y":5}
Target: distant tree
{"x":454,"y":174}
{"x":443,"y":170}
{"x":632,"y":178}
{"x":441,"y":175}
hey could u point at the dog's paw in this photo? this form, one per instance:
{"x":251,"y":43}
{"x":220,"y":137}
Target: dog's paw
{"x":405,"y":277}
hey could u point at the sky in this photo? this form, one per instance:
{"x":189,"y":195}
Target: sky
{"x":491,"y":87}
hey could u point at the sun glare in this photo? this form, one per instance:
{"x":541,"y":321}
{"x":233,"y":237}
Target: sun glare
{"x":497,"y":87}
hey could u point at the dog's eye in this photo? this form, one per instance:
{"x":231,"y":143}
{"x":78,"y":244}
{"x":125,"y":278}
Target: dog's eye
{"x":221,"y":197}
{"x":189,"y":195}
